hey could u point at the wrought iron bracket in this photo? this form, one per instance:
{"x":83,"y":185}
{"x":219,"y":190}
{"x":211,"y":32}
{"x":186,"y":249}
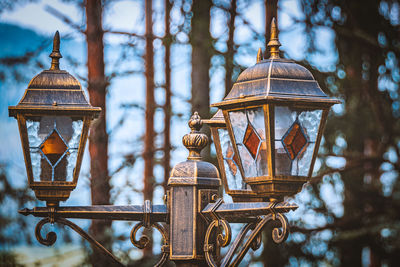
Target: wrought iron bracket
{"x":257,"y":216}
{"x":51,"y":237}
{"x":148,"y":216}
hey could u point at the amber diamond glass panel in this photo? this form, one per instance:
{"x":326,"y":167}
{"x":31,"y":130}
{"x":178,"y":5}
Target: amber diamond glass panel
{"x":53,"y":148}
{"x":251,"y":141}
{"x":294,"y":140}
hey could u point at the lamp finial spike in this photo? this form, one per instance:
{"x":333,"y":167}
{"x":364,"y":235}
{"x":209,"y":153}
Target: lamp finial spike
{"x":55,"y":54}
{"x":259,"y":55}
{"x":274,"y":43}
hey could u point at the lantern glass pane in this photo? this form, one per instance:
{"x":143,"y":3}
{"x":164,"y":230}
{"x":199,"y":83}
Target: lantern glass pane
{"x":296,"y":132}
{"x":301,"y":165}
{"x":284,"y":118}
{"x":232,"y":172}
{"x":53,"y":145}
{"x":282,"y":161}
{"x":249,"y":131}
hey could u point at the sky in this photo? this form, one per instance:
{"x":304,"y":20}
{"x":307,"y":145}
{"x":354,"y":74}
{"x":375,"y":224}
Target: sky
{"x":127,"y":16}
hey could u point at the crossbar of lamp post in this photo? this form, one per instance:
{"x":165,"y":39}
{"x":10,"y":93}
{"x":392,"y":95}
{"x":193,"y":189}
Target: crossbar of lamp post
{"x":245,"y":212}
{"x":104,"y":212}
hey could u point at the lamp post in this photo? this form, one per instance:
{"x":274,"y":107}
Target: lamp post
{"x":266,"y":132}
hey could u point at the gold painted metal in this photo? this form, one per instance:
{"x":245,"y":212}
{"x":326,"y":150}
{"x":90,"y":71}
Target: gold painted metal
{"x":55,"y":54}
{"x":274,"y":43}
{"x":259,"y":55}
{"x":54,"y":93}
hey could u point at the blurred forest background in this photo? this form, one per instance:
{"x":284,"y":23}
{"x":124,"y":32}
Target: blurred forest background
{"x":150,"y":63}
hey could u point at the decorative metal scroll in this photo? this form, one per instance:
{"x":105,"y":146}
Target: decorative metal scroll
{"x":221,"y":226}
{"x":279,"y":235}
{"x":51,"y":237}
{"x":144,"y":240}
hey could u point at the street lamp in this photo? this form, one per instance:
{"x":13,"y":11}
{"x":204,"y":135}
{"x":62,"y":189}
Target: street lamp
{"x":275,"y":115}
{"x":53,"y":118}
{"x":266,"y":133}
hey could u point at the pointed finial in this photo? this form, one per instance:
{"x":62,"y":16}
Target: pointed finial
{"x":259,"y":55}
{"x":274,"y":43}
{"x":55,"y":55}
{"x":25,"y":212}
{"x":195,"y":141}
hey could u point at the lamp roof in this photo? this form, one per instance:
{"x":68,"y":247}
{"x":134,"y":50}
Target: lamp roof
{"x":275,"y":79}
{"x":54,"y":90}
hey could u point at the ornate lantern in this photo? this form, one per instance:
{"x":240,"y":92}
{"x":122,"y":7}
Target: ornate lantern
{"x":275,"y":115}
{"x":53,"y":118}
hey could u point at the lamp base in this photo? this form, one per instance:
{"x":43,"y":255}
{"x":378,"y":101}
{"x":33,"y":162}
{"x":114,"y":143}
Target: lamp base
{"x":51,"y":195}
{"x":52,"y":192}
{"x":276,"y":188}
{"x":244,"y":198}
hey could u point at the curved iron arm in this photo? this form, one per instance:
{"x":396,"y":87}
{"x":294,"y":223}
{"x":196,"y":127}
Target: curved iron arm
{"x":51,"y":237}
{"x":148,"y":214}
{"x":238,"y":240}
{"x":278,"y":236}
{"x":219,"y":213}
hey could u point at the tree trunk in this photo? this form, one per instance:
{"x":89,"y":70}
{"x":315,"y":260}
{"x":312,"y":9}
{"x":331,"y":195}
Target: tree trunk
{"x":230,"y":48}
{"x":167,"y":106}
{"x":271,"y":11}
{"x":148,"y":153}
{"x":98,"y":140}
{"x":200,"y":39}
